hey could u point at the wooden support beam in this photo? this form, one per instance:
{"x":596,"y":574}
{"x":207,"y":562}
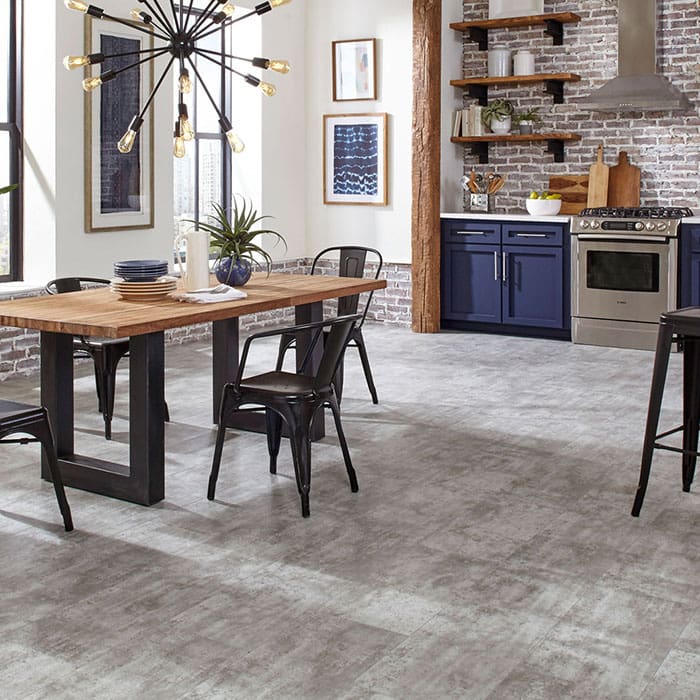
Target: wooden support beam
{"x":425,"y":215}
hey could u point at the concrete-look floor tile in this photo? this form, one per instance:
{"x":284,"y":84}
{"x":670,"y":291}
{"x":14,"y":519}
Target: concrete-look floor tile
{"x":678,"y":677}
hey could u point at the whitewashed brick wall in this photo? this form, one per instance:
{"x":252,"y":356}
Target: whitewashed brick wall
{"x":666,"y":146}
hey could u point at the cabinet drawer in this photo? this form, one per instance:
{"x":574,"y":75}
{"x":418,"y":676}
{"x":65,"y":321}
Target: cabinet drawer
{"x":533,"y":234}
{"x":463,"y":231}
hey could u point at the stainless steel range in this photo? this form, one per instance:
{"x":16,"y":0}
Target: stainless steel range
{"x":624,"y":274}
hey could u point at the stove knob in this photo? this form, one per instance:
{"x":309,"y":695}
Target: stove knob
{"x":595,"y":224}
{"x":584,"y":223}
{"x":638,"y":226}
{"x":650,"y":226}
{"x":661,"y":225}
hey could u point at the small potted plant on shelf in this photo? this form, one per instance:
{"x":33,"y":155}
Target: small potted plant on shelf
{"x":232,"y":239}
{"x":497,"y":116}
{"x":526,"y":120}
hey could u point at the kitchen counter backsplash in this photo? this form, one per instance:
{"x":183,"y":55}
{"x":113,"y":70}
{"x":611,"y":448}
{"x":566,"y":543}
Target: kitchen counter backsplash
{"x":664,"y":145}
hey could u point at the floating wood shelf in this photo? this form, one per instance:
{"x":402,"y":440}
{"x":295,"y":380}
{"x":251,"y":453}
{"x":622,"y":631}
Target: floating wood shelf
{"x":553,"y":84}
{"x":480,"y":144}
{"x":552,"y":21}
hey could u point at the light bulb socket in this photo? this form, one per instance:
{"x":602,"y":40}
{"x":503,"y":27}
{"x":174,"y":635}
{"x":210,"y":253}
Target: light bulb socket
{"x":263,"y":7}
{"x":146,"y":18}
{"x":261,"y":62}
{"x":94,"y":58}
{"x":225,"y":124}
{"x":95,"y":11}
{"x":252,"y":80}
{"x":219,"y":17}
{"x":177,"y":133}
{"x":182,"y":110}
{"x":107,"y":76}
{"x":136,"y":123}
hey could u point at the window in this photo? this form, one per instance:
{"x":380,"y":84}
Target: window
{"x":10,"y":140}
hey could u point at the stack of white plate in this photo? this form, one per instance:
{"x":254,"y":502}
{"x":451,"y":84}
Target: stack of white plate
{"x":143,"y":291}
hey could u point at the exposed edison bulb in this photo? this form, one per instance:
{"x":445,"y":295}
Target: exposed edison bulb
{"x":126,"y":143}
{"x":186,"y":128}
{"x":237,"y":146}
{"x":278,"y":65}
{"x":72,"y":62}
{"x":78,"y":5}
{"x":137,"y":15}
{"x":269,"y":89}
{"x":277,"y":3}
{"x":228,"y":9}
{"x":89,"y":84}
{"x":179,"y":147}
{"x":185,"y":82}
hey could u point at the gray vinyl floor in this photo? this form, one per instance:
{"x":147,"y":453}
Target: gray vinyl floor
{"x":488,"y":554}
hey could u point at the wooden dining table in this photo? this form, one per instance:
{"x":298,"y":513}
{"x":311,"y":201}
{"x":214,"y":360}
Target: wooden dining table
{"x":101,"y":313}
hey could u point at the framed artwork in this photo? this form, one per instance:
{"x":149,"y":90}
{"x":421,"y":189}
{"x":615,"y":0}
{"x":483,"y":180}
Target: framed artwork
{"x":355,"y":159}
{"x":514,"y":8}
{"x":118,"y":186}
{"x":354,"y":70}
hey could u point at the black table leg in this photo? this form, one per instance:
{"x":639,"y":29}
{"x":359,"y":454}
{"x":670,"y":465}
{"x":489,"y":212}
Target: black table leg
{"x":143,"y":480}
{"x":224,"y":359}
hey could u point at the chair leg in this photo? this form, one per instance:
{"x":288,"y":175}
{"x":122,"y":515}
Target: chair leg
{"x":274,"y":437}
{"x":658,"y":381}
{"x":216,"y":461}
{"x":42,"y":432}
{"x":343,"y":445}
{"x":360,"y":342}
{"x":691,"y":408}
{"x":166,"y":413}
{"x":299,"y":427}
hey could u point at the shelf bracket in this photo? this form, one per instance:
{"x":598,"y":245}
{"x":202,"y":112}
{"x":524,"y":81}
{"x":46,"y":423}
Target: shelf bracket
{"x":555,"y":88}
{"x":480,"y":149}
{"x":555,"y":29}
{"x":479,"y":36}
{"x":556,"y":146}
{"x":481,"y":93}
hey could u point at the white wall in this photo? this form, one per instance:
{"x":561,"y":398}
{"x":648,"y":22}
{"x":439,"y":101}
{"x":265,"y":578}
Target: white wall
{"x":390,"y":22}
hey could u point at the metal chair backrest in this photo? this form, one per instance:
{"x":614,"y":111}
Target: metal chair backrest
{"x":333,"y":347}
{"x":73,"y":284}
{"x":352,"y":263}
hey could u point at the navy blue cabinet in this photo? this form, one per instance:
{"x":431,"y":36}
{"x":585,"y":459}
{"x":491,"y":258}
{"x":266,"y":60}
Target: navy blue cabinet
{"x":689,"y":266}
{"x":505,"y":277}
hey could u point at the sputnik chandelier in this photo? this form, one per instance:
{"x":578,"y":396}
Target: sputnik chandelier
{"x":180,"y":29}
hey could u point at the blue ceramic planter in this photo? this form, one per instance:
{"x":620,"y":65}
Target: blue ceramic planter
{"x":235,"y":273}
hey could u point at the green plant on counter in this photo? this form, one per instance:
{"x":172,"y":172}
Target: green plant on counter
{"x":497,"y":110}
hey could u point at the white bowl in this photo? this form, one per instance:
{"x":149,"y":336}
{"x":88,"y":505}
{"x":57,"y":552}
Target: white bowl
{"x":543,"y":207}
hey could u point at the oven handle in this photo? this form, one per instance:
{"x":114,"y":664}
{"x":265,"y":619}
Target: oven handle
{"x":627,"y":239}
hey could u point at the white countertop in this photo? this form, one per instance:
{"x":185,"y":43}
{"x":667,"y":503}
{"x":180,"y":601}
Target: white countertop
{"x":691,"y":220}
{"x":509,"y":217}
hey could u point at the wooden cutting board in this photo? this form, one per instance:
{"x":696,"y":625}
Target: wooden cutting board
{"x":624,"y":183}
{"x":573,"y":190}
{"x":598,"y":178}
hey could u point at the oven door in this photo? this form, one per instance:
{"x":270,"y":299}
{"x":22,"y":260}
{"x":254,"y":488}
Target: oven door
{"x":622,"y":278}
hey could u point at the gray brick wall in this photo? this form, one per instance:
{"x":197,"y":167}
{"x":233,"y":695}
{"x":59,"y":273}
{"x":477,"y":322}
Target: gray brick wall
{"x":664,"y":145}
{"x":19,"y":348}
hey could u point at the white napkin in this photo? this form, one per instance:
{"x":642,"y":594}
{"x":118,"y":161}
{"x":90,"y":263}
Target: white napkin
{"x":210,"y":295}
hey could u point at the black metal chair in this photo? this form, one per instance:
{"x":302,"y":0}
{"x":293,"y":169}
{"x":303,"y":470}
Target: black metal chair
{"x":21,"y":418}
{"x":353,"y":262}
{"x":105,"y":352}
{"x":294,"y":398}
{"x":681,"y":326}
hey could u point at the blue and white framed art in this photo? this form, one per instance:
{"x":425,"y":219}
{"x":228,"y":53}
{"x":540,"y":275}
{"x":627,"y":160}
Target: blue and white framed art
{"x":355,"y":159}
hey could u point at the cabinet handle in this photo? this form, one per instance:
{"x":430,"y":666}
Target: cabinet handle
{"x":504,"y":275}
{"x":495,"y":266}
{"x":531,"y":235}
{"x":470,"y":233}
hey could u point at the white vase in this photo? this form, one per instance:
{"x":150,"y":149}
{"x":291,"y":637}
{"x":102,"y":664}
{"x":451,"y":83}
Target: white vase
{"x":501,"y":125}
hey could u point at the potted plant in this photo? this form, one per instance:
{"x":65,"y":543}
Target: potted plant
{"x":233,"y":240}
{"x":497,"y":116}
{"x":526,"y":120}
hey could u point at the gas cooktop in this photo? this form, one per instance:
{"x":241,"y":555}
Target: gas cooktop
{"x":638,"y":212}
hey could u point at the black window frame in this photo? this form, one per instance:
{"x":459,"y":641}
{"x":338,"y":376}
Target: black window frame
{"x":13,"y":126}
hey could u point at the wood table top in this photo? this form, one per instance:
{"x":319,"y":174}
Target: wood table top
{"x":100,"y":312}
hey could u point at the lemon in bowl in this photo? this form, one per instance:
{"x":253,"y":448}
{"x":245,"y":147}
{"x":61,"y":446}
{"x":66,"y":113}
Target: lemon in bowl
{"x":543,"y":205}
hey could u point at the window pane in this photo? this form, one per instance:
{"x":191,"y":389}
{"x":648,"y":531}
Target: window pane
{"x":4,"y":204}
{"x":210,"y":169}
{"x":4,"y":57}
{"x":184,"y":189}
{"x":207,"y":120}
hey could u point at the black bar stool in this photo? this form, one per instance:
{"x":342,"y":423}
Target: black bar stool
{"x":682,"y":326}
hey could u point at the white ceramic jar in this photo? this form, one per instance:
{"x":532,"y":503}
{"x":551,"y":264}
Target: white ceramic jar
{"x":499,"y":62}
{"x":523,"y":63}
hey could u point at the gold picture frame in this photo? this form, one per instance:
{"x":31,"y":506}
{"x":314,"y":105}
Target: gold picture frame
{"x":354,"y":70}
{"x":119,"y":188}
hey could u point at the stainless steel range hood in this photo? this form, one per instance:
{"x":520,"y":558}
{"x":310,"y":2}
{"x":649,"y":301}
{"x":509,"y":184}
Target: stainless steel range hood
{"x":638,"y":86}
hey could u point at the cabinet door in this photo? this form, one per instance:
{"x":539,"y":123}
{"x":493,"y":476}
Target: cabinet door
{"x":533,"y":286}
{"x":689,"y":266}
{"x":471,"y":286}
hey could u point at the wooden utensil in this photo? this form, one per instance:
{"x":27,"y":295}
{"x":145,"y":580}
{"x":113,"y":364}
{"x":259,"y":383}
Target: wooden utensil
{"x":598,"y":178}
{"x":624,"y":183}
{"x":573,"y":190}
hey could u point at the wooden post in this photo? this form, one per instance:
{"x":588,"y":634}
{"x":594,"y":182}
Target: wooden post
{"x":425,"y":215}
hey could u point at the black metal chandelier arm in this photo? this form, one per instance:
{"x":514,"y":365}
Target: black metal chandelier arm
{"x":221,"y":65}
{"x":206,"y":89}
{"x":208,"y":12}
{"x":189,"y":15}
{"x":138,"y":27}
{"x":176,"y":16}
{"x":157,"y":13}
{"x":225,"y":55}
{"x":160,"y":53}
{"x":133,"y":53}
{"x":156,"y":88}
{"x":223,"y":25}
